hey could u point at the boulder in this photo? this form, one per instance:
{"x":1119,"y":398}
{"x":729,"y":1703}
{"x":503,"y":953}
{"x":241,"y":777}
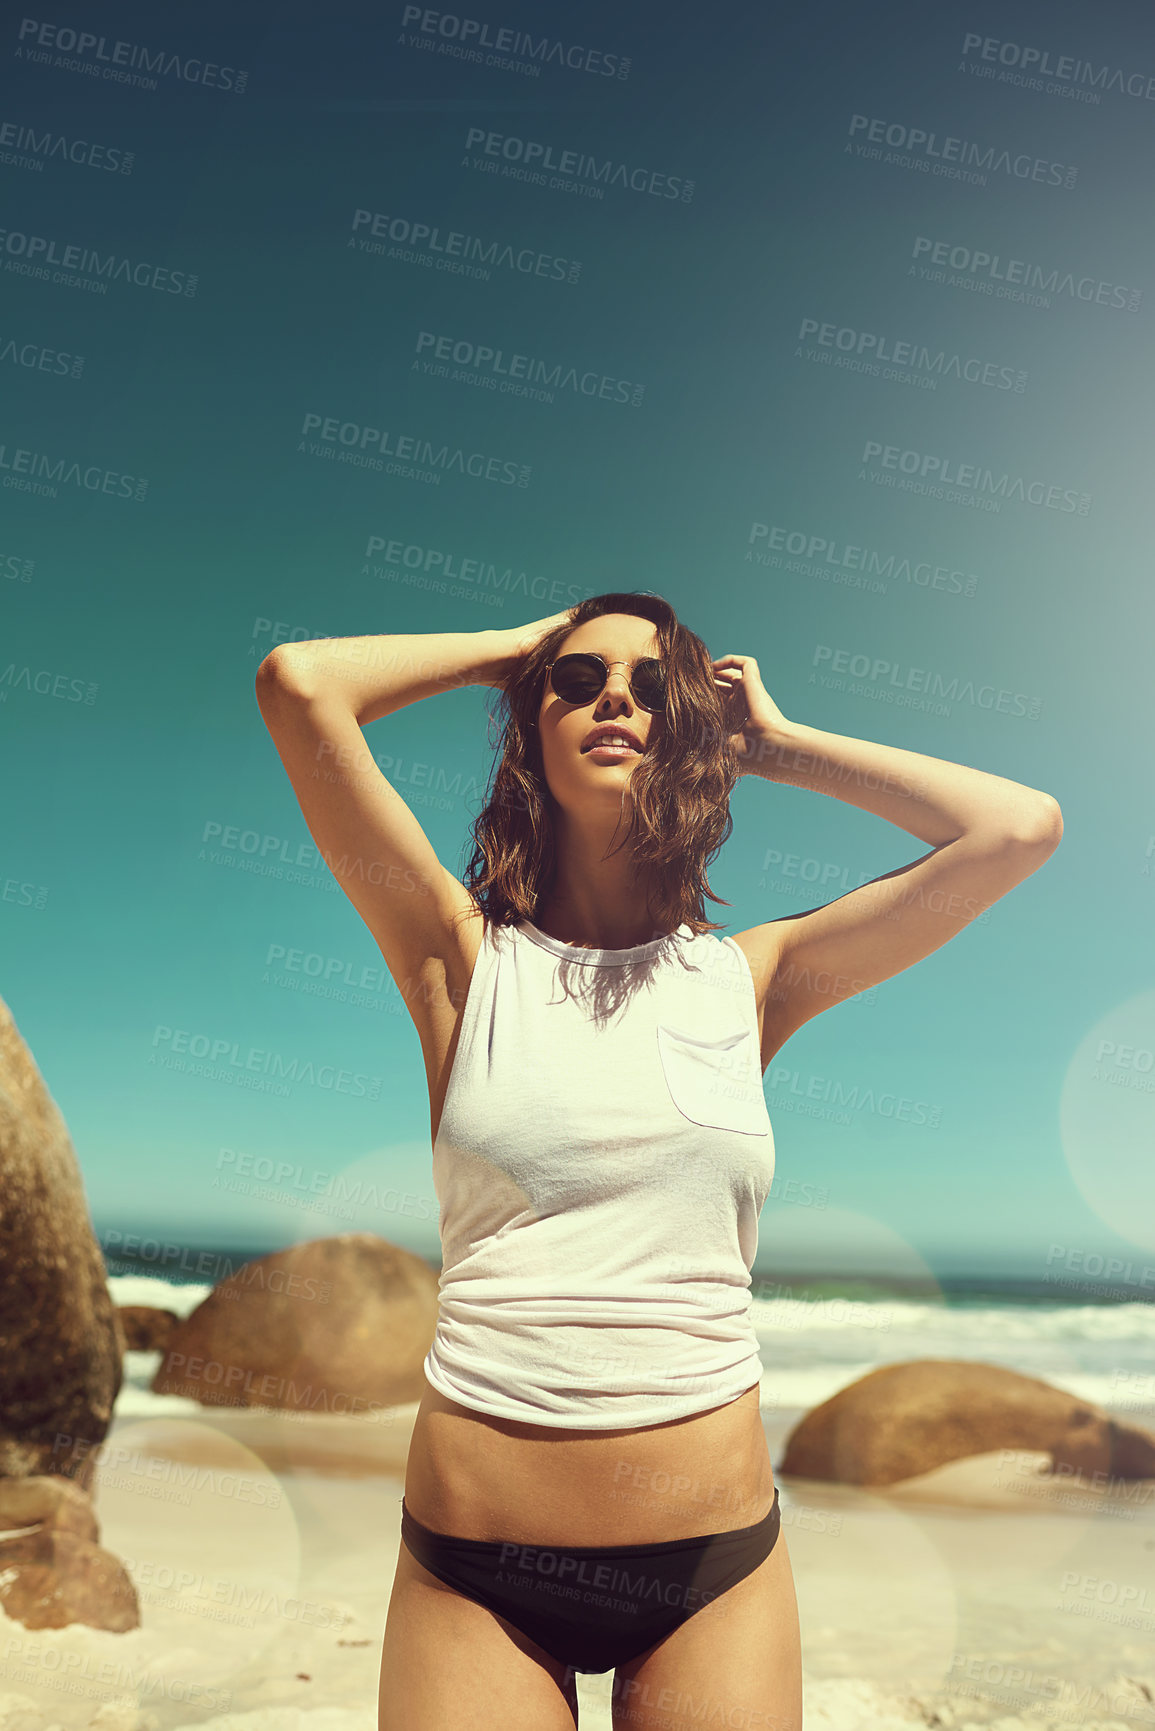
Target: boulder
{"x":146,"y":1329}
{"x":60,"y":1341}
{"x":334,"y":1325}
{"x":47,"y":1500}
{"x":54,"y":1572}
{"x":1132,"y":1451}
{"x":905,"y":1419}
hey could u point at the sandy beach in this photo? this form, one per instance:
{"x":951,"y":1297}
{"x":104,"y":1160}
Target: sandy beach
{"x":263,"y":1547}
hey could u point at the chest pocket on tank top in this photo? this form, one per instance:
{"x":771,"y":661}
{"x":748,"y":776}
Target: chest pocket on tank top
{"x":716,"y":1083}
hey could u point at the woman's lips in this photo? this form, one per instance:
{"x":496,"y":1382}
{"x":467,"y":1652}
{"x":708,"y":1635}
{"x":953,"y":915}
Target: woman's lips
{"x":611,"y":752}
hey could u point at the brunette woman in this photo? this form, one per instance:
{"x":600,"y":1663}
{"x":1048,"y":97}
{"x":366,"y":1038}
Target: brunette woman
{"x":588,"y":1484}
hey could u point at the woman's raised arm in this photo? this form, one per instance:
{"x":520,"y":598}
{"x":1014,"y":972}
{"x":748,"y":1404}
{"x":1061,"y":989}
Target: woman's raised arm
{"x":314,"y":698}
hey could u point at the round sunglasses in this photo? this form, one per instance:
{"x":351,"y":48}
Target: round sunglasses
{"x":582,"y":678}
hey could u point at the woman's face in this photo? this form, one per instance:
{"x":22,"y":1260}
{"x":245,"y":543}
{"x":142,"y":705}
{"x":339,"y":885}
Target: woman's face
{"x":581,"y":775}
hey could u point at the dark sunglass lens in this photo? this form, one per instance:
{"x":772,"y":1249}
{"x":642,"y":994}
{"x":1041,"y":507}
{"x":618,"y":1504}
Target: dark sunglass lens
{"x":650,"y":684}
{"x":577,"y":679}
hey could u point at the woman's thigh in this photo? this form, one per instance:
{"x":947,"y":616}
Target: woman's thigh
{"x":737,"y":1661}
{"x":448,"y":1661}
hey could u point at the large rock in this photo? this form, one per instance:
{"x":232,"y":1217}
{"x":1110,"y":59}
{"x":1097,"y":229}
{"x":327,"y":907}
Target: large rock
{"x":905,"y":1419}
{"x":53,"y":1571}
{"x":337,"y":1324}
{"x":146,"y":1329}
{"x":47,"y":1500}
{"x":60,"y":1342}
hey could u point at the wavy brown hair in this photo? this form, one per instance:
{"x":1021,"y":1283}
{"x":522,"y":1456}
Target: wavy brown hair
{"x":680,"y":791}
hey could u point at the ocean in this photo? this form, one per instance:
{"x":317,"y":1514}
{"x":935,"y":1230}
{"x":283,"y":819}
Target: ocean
{"x":811,"y":1346}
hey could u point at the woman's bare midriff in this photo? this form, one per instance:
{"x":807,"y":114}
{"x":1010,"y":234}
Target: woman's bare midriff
{"x":479,"y":1477}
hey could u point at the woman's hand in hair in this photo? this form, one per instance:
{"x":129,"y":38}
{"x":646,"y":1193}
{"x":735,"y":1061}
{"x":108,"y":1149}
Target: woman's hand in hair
{"x":512,"y":643}
{"x":526,"y":637}
{"x":751,"y":719}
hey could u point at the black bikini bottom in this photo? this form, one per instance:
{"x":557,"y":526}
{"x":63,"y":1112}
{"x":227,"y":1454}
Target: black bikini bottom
{"x":594,"y":1607}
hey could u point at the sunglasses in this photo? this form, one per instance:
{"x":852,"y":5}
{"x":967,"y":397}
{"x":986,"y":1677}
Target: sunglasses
{"x":582,"y":678}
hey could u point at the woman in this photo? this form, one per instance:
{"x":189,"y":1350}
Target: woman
{"x":588,"y":1484}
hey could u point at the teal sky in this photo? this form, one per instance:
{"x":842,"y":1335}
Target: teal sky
{"x":128,"y":900}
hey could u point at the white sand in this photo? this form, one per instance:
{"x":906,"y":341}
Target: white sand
{"x":263,"y":1548}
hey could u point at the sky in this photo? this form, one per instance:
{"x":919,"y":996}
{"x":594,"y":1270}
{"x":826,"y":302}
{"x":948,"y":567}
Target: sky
{"x":849,"y":360}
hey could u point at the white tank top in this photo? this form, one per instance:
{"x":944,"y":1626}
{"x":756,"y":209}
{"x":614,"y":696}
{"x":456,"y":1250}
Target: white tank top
{"x":602,"y":1158}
